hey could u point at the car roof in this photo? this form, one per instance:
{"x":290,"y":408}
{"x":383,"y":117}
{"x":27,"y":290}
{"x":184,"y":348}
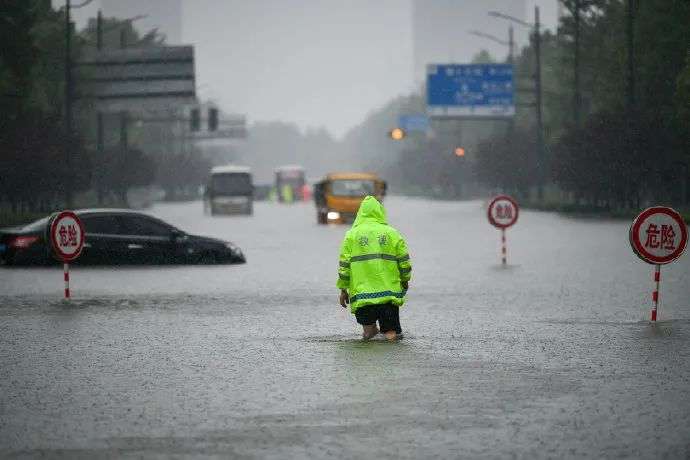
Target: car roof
{"x":114,"y":212}
{"x":289,"y":168}
{"x":107,"y":211}
{"x":352,"y":176}
{"x":84,"y":212}
{"x":228,"y":169}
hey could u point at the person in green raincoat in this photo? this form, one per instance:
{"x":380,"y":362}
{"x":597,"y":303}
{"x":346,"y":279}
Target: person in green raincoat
{"x":287,"y":194}
{"x":374,"y":271}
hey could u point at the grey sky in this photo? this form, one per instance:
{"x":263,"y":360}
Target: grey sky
{"x":312,"y":62}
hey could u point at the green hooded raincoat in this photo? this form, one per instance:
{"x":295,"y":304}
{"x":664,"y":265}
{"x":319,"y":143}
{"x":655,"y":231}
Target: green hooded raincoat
{"x":373,"y":259}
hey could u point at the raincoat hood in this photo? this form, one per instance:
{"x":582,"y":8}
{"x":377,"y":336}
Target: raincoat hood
{"x":370,"y":211}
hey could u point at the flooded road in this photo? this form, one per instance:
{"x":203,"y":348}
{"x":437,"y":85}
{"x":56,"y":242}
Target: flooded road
{"x":553,"y":356}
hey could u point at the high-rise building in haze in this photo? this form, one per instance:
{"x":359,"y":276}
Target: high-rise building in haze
{"x":441,"y":30}
{"x":164,"y":15}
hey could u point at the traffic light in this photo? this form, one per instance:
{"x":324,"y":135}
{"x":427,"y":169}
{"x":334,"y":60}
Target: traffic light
{"x":194,"y":120}
{"x":397,"y":134}
{"x":212,"y":119}
{"x":459,"y":152}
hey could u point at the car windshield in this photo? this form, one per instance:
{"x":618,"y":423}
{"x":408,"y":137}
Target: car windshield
{"x":40,"y":224}
{"x":352,"y":187}
{"x":290,"y":176}
{"x":231,"y":184}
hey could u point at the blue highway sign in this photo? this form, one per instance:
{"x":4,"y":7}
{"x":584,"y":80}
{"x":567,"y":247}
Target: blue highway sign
{"x":470,"y":90}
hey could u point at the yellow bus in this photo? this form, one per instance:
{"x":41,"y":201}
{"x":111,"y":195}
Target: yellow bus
{"x":339,"y":195}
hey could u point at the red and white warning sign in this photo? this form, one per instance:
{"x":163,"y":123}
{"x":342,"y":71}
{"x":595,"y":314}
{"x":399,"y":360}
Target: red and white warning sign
{"x":658,"y":235}
{"x":66,"y":234}
{"x":503,"y":211}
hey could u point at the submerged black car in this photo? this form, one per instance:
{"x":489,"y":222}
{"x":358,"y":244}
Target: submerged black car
{"x":116,"y":237}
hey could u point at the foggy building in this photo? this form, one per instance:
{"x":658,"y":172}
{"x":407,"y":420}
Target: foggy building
{"x":164,"y":15}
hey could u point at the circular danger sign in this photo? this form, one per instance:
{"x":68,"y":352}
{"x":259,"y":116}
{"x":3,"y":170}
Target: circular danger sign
{"x":503,"y":211}
{"x":658,"y":235}
{"x":67,"y":236}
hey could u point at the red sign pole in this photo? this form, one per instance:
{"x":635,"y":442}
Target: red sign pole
{"x":65,"y":269}
{"x":503,"y":247}
{"x":655,"y":294}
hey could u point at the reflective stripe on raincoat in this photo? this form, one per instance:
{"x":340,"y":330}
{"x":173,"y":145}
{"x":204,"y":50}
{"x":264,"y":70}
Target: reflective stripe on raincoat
{"x":373,"y":259}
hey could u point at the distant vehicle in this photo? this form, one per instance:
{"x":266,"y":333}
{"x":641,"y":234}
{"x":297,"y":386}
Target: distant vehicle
{"x":262,"y":192}
{"x":339,"y":195}
{"x":115,"y":237}
{"x":290,"y":181}
{"x":229,"y":191}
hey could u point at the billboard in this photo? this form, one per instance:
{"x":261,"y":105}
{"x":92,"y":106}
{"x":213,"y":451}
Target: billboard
{"x":137,"y":79}
{"x":470,"y":90}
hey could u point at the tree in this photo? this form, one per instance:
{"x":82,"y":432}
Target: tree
{"x":483,"y":57}
{"x":577,"y":9}
{"x":508,"y":162}
{"x":118,"y":170}
{"x":34,"y":152}
{"x":115,"y":31}
{"x":33,"y":141}
{"x":178,"y":174}
{"x":613,"y":162}
{"x":19,"y":51}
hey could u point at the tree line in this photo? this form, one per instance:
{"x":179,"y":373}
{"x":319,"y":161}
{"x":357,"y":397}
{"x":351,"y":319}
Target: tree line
{"x":42,"y":161}
{"x":613,"y":140}
{"x":607,"y":145}
{"x":616,"y":125}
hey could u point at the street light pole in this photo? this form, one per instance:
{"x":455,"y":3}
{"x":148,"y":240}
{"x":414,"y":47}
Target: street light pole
{"x":124,"y":116}
{"x":493,"y":38}
{"x":68,"y":104}
{"x":631,"y":57}
{"x":99,"y":31}
{"x":577,"y":100}
{"x":511,"y":45}
{"x":69,"y":185}
{"x":538,"y":94}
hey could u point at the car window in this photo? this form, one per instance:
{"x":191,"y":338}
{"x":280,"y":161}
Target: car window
{"x":141,"y":225}
{"x":102,"y":224}
{"x":38,"y":225}
{"x":352,"y":187}
{"x":231,"y":184}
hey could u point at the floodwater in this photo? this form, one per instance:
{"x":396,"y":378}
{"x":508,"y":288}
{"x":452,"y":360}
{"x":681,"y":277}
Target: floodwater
{"x":553,"y":356}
